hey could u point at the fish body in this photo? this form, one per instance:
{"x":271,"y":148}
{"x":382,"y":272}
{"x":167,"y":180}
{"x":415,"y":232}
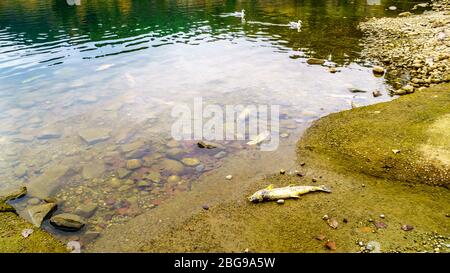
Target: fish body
{"x":273,"y":194}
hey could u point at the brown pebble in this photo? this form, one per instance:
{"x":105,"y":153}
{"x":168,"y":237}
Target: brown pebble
{"x":345,"y":220}
{"x":282,"y":171}
{"x":205,"y":207}
{"x":379,"y":224}
{"x":331,"y":245}
{"x":302,"y":164}
{"x":314,"y":180}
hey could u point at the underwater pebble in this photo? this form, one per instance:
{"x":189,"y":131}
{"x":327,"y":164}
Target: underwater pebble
{"x":133,"y":164}
{"x":205,"y":207}
{"x":220,"y":154}
{"x":325,"y":217}
{"x":200,"y":168}
{"x":282,"y":171}
{"x":229,"y":177}
{"x":382,"y":216}
{"x":190,"y":161}
{"x":280,"y":201}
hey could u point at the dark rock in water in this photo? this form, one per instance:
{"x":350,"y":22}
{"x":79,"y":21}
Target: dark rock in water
{"x":68,"y":222}
{"x":315,"y":61}
{"x":378,"y":70}
{"x":13,"y":194}
{"x":407,"y":227}
{"x":40,"y":212}
{"x":376,"y":94}
{"x":205,"y":207}
{"x":356,"y":90}
{"x":86,"y":210}
{"x":207,"y":145}
{"x":380,"y":225}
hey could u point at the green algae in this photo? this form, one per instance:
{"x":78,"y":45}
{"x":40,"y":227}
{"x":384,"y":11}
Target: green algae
{"x":11,"y":240}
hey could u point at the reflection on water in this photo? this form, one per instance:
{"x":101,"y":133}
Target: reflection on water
{"x":73,"y":2}
{"x":87,"y":86}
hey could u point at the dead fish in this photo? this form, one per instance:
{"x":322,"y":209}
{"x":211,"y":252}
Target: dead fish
{"x":273,"y":194}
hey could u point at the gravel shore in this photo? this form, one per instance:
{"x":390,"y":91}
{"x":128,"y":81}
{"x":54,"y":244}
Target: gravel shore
{"x":414,"y":48}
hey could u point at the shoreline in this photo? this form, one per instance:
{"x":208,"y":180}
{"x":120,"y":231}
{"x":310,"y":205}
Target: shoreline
{"x":209,"y":230}
{"x":414,"y":48}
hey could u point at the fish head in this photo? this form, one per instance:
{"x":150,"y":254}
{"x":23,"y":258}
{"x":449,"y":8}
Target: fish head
{"x":257,"y":197}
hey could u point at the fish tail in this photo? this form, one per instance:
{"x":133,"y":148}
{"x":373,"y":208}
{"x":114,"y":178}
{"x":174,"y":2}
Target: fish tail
{"x":324,"y":188}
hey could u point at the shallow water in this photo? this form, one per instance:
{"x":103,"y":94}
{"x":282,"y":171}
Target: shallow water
{"x":119,"y":67}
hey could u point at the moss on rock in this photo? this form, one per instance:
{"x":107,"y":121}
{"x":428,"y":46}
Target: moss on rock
{"x":364,"y":139}
{"x":12,"y":241}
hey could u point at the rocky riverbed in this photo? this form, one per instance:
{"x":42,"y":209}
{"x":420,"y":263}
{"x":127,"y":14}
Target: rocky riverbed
{"x":414,"y":48}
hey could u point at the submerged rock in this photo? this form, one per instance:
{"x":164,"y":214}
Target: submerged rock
{"x":48,"y":134}
{"x":133,"y":164}
{"x":94,"y":135}
{"x":313,"y":61}
{"x":13,"y":193}
{"x":122,"y":173}
{"x":86,"y":210}
{"x":68,"y":222}
{"x":20,"y":171}
{"x":39,"y":213}
{"x":93,"y":170}
{"x":173,"y":179}
{"x":206,"y":144}
{"x":154,"y":177}
{"x":171,"y":166}
{"x":376,"y":93}
{"x":190,"y":161}
{"x":378,"y":70}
